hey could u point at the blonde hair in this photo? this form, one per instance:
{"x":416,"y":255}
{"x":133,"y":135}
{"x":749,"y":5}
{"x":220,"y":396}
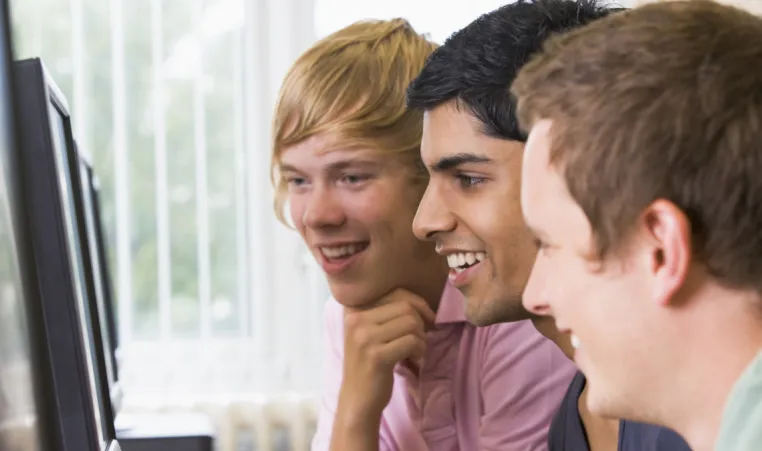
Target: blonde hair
{"x":352,"y":85}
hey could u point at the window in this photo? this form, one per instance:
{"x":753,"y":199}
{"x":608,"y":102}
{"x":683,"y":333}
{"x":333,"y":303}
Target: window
{"x":427,"y":16}
{"x":156,"y":92}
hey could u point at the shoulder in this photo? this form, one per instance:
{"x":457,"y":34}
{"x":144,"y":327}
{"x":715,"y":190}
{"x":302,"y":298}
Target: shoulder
{"x":332,"y":308}
{"x":518,"y":348}
{"x":511,"y":337}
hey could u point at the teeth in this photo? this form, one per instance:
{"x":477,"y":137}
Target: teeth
{"x":457,"y":261}
{"x":342,"y":251}
{"x":575,"y":342}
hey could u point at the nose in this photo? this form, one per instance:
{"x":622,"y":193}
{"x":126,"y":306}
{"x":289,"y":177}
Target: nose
{"x":536,"y":294}
{"x":323,"y":209}
{"x":432,"y":216}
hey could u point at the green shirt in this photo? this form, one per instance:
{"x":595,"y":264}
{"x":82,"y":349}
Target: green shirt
{"x":741,"y":428}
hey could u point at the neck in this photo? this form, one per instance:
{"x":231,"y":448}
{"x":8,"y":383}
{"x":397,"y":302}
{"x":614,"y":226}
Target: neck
{"x":602,"y":433}
{"x":700,"y":418}
{"x":430,"y":281}
{"x":723,"y":342}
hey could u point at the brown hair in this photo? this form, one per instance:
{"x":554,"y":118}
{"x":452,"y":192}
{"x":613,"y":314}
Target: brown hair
{"x":352,"y":84}
{"x":660,"y":102}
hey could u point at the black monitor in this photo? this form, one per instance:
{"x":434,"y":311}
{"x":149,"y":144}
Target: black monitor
{"x":51,"y":183}
{"x":99,"y":261}
{"x":27,"y":410}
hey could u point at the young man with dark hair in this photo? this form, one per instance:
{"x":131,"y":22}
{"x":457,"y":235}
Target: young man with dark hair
{"x":472,"y":146}
{"x":642,"y":182}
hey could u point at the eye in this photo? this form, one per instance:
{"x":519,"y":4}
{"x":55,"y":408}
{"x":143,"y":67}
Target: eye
{"x":353,"y":179}
{"x":295,"y":182}
{"x":468,"y":181}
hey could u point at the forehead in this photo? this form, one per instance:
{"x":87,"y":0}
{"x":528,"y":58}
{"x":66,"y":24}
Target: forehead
{"x":449,"y":129}
{"x":542,"y":186}
{"x":322,"y":151}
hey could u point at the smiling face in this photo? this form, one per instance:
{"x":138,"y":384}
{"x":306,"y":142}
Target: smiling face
{"x":606,"y":306}
{"x":354,"y":209}
{"x":471,"y":211}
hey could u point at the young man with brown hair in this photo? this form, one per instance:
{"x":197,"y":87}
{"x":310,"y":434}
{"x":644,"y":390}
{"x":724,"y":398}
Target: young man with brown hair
{"x":642,"y":182}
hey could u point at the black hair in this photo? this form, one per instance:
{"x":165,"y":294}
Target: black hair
{"x":476,"y":65}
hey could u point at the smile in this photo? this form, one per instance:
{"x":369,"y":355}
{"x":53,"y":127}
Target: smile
{"x":463,"y":265}
{"x":335,"y":259}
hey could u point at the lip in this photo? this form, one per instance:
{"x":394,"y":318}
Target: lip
{"x":465,"y":277}
{"x":335,"y":268}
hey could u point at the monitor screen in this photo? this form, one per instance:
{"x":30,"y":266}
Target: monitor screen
{"x":100,"y":278}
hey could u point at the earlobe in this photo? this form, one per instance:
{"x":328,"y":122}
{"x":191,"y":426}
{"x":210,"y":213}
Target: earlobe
{"x":670,"y":254}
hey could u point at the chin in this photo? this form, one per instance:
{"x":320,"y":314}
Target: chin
{"x":611,"y":404}
{"x":353,"y":295}
{"x":488,"y":312}
{"x":601,"y":405}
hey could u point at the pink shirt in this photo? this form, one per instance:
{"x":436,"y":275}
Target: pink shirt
{"x":480,"y":389}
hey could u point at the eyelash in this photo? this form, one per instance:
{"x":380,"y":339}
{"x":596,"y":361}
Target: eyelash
{"x":540,"y":244}
{"x":350,"y":179}
{"x":359,"y":178}
{"x":468,"y":181}
{"x":295,"y":181}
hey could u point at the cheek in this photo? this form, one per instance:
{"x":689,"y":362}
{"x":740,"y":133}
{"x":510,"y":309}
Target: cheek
{"x":569,"y":285}
{"x":295,"y":206}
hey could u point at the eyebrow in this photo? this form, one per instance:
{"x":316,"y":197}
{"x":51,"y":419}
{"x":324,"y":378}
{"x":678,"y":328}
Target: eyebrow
{"x":459,"y":159}
{"x":337,"y":166}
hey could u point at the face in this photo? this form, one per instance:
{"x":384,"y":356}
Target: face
{"x":471,"y":211}
{"x":604,"y":307}
{"x":354,"y":209}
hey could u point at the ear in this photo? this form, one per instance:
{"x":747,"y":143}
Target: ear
{"x":669,"y":250}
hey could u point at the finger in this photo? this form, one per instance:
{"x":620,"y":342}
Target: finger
{"x":406,"y":347}
{"x":424,"y":310}
{"x":383,"y":313}
{"x":399,"y":327}
{"x":415,"y":301}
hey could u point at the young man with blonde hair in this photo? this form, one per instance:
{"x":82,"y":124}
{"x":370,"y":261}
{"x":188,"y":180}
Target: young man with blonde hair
{"x":404,"y":371}
{"x":642,"y":183}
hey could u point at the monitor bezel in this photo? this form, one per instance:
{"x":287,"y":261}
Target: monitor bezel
{"x":103,"y":301}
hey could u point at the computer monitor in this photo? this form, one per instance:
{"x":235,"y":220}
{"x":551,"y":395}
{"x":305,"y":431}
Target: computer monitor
{"x":104,"y":302}
{"x":28,"y":415}
{"x":51,"y":181}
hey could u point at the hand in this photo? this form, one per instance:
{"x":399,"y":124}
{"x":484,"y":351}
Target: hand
{"x":376,"y":338}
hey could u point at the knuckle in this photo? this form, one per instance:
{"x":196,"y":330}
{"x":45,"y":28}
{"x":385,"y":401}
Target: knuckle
{"x":406,"y":308}
{"x":412,"y":323}
{"x":360,"y":336}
